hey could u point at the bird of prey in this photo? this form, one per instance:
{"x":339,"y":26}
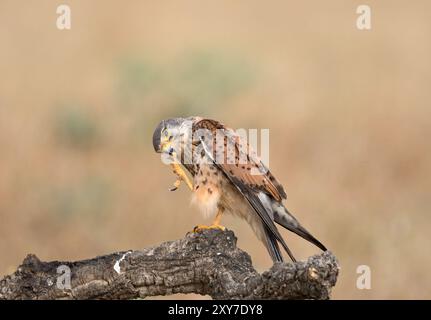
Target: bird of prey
{"x":226,"y":176}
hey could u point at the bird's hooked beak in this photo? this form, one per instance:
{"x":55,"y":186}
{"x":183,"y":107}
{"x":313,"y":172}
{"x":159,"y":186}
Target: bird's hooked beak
{"x":162,"y":143}
{"x":166,"y":147}
{"x":167,"y":137}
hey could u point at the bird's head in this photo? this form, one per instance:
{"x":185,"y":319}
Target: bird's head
{"x":168,"y":134}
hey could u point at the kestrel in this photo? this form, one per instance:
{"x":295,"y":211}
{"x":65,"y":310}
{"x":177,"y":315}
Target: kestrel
{"x":226,"y":176}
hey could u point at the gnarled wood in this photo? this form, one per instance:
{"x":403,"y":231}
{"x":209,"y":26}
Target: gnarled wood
{"x":207,"y":263}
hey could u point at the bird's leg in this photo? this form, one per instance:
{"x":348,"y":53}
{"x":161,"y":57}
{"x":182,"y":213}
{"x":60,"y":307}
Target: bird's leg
{"x":176,"y":185}
{"x":216,"y":222}
{"x":181,"y":176}
{"x":215,"y":225}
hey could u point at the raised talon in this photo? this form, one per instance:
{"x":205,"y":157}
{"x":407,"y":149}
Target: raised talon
{"x":176,"y":185}
{"x":200,"y":227}
{"x":182,"y":176}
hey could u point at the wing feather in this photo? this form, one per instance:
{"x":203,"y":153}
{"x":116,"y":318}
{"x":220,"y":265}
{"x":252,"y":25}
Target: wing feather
{"x":249,"y":187}
{"x":263,"y":181}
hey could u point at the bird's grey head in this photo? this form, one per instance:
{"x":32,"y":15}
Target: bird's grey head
{"x":167,"y":134}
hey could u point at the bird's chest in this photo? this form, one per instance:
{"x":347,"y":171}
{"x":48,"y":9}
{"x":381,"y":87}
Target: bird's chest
{"x":207,"y":188}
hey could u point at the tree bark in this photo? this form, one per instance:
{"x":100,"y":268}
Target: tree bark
{"x":207,"y":263}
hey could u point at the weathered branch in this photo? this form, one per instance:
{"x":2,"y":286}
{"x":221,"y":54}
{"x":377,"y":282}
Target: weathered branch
{"x":207,"y":263}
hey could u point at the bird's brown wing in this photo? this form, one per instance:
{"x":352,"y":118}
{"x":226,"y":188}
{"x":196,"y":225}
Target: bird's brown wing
{"x":251,"y":172}
{"x":248,"y":184}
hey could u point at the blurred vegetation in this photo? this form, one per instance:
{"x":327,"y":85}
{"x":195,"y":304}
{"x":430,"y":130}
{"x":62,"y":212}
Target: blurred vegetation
{"x":75,"y":128}
{"x":197,"y":82}
{"x":205,"y":80}
{"x":90,"y":197}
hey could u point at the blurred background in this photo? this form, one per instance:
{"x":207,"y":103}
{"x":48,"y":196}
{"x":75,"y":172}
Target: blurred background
{"x":348,"y":113}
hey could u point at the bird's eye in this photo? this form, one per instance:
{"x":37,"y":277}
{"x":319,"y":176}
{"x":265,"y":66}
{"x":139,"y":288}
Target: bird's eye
{"x":165,"y":133}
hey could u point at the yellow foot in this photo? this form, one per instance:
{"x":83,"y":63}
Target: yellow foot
{"x":176,"y":185}
{"x":200,"y":228}
{"x":182,"y":176}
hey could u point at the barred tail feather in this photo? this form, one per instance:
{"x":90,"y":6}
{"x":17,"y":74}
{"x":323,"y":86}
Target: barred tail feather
{"x":284,"y":218}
